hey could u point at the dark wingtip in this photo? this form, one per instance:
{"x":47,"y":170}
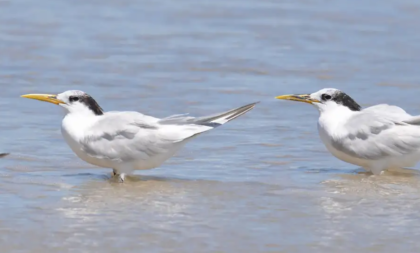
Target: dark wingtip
{"x":251,"y":104}
{"x":3,"y":155}
{"x":242,"y":110}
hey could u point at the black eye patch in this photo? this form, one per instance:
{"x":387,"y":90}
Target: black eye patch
{"x":73,"y":98}
{"x":325,"y":97}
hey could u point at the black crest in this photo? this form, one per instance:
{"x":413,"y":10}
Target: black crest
{"x":91,"y":104}
{"x":346,"y":100}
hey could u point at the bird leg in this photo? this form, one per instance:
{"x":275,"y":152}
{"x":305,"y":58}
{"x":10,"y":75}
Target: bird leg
{"x":375,"y":170}
{"x":121,"y":177}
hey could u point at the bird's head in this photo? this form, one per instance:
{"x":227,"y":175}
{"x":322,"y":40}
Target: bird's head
{"x":326,"y":99}
{"x":73,"y":101}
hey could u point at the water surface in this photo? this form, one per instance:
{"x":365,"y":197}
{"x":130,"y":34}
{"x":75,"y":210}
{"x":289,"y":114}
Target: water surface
{"x":263,"y":183}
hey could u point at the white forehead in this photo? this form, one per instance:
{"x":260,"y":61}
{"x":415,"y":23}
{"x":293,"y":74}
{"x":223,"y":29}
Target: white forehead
{"x":328,"y":91}
{"x":72,"y":93}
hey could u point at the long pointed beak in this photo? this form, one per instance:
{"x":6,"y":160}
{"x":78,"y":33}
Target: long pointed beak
{"x":300,"y":98}
{"x":44,"y":97}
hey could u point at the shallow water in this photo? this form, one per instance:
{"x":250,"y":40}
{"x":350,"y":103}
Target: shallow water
{"x":263,"y":183}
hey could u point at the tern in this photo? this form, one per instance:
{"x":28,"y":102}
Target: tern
{"x":126,"y":141}
{"x":377,"y":138}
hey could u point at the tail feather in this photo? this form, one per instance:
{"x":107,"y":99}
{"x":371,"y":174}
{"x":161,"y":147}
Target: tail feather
{"x":194,"y":126}
{"x":210,"y":121}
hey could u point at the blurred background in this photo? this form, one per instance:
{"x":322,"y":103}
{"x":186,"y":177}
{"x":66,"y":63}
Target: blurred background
{"x":262,"y":183}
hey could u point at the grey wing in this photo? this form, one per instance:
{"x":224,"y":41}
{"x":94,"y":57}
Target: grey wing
{"x":389,"y":111}
{"x":375,"y":134}
{"x":128,"y":136}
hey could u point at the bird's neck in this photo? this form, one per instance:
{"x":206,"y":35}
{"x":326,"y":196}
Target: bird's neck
{"x":332,"y":119}
{"x":76,"y":125}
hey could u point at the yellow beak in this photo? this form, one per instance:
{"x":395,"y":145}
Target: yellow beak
{"x":44,"y":97}
{"x":300,"y":98}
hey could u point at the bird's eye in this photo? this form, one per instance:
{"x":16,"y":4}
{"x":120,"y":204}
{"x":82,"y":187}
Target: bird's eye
{"x":325,"y":97}
{"x":73,"y":99}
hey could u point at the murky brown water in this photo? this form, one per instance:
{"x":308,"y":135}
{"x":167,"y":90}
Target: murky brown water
{"x":263,"y":183}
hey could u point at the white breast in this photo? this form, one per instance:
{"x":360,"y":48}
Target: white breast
{"x":329,"y":124}
{"x":73,"y":129}
{"x":326,"y":139}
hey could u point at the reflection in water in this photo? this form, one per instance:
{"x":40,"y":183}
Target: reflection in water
{"x":356,"y":200}
{"x":390,"y":183}
{"x":152,"y":195}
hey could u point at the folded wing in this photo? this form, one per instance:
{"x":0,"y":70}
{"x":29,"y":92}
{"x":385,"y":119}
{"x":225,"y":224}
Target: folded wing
{"x":378,"y":132}
{"x":127,"y":136}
